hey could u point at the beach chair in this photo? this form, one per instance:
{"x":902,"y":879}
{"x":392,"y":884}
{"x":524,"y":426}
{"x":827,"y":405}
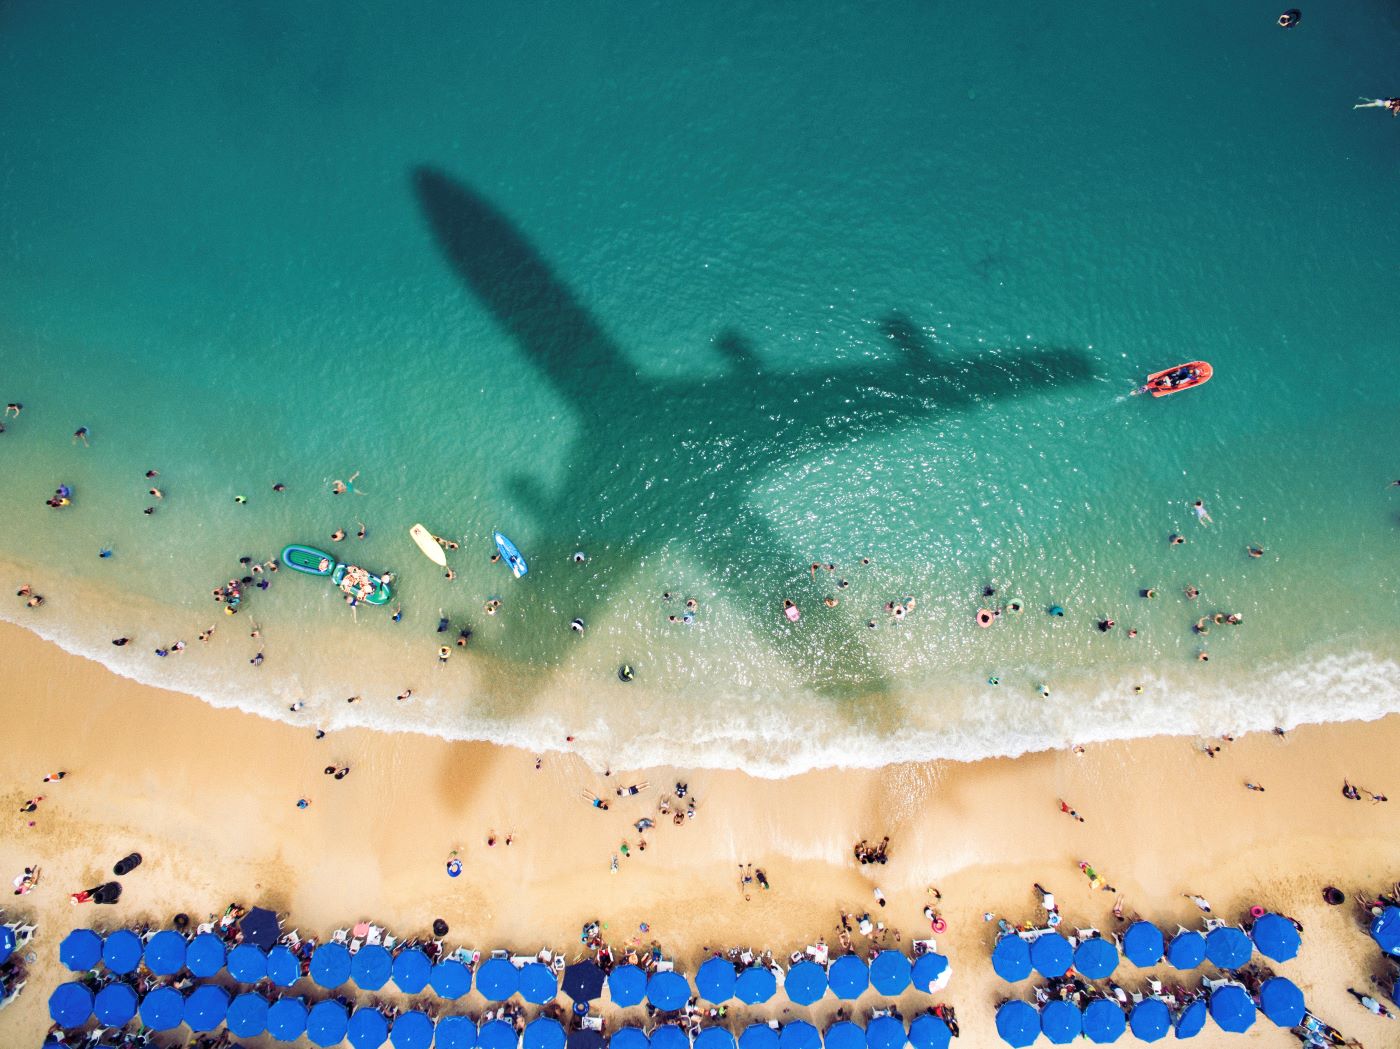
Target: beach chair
{"x":206,"y":927}
{"x":1084,"y":935}
{"x":559,"y":963}
{"x":1212,"y":924}
{"x":375,"y":935}
{"x":291,"y":939}
{"x":924,"y":947}
{"x":355,"y":944}
{"x":340,"y":936}
{"x":746,"y":957}
{"x":592,"y":1023}
{"x":1155,"y":986}
{"x":1212,"y":985}
{"x":665,"y":965}
{"x":520,"y":960}
{"x":818,"y":953}
{"x":498,"y":953}
{"x":795,"y":957}
{"x":24,"y":934}
{"x":389,"y":941}
{"x":545,"y":957}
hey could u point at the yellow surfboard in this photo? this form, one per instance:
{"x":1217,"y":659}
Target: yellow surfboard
{"x":428,"y":545}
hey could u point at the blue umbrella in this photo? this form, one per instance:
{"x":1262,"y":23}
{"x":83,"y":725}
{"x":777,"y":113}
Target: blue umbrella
{"x":497,"y":1034}
{"x":885,"y":1032}
{"x":1142,"y":944}
{"x":1150,"y":1020}
{"x":247,"y":1015}
{"x":367,"y":1028}
{"x":121,"y":952}
{"x":70,"y":1005}
{"x":1191,"y":1020}
{"x":714,"y":1038}
{"x":1228,"y":948}
{"x":7,"y":943}
{"x":261,"y":928}
{"x":1282,"y":1002}
{"x":583,"y":981}
{"x":1104,"y":1021}
{"x":848,"y":977}
{"x":844,"y":1035}
{"x":1276,"y":937}
{"x":1051,"y":954}
{"x":583,"y":1039}
{"x":631,"y":1038}
{"x":928,"y":969}
{"x":412,"y":1030}
{"x":758,"y":1036}
{"x":246,"y":963}
{"x":327,"y":1023}
{"x":330,"y":965}
{"x":627,"y":985}
{"x":1385,"y":930}
{"x":805,"y":983}
{"x":544,"y":1033}
{"x":1011,"y":958}
{"x":80,"y":950}
{"x":412,"y":970}
{"x":1187,"y":950}
{"x":1018,"y":1024}
{"x":162,"y":1009}
{"x":165,"y":953}
{"x":755,"y":985}
{"x":1096,"y":958}
{"x":205,"y":955}
{"x":669,"y":1036}
{"x":798,"y":1034}
{"x":1232,"y":1009}
{"x":453,"y":1032}
{"x":1061,"y":1021}
{"x":114,"y":1005}
{"x":286,"y":1019}
{"x":206,"y":1007}
{"x":450,"y":979}
{"x":371,"y":967}
{"x":283,"y":967}
{"x":889,"y":972}
{"x":668,"y":991}
{"x":497,"y":979}
{"x":538,"y":984}
{"x":929,"y":1032}
{"x":714,"y":981}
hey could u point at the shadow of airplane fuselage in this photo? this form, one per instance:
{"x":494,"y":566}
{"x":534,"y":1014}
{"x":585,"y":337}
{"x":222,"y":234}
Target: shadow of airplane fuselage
{"x":678,"y":469}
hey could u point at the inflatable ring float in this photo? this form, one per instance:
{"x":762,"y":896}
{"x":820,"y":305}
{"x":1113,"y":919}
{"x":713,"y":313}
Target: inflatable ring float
{"x":939,"y":925}
{"x":984,"y":618}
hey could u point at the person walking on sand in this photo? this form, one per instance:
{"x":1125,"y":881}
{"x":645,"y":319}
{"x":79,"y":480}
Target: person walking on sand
{"x":1199,"y":509}
{"x":1199,"y":901}
{"x":1349,"y":792}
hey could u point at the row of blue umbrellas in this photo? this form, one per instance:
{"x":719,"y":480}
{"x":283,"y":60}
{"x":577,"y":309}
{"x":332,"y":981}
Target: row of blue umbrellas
{"x":1051,"y":955}
{"x":1103,"y":1020}
{"x":372,"y":966}
{"x":329,"y":1023}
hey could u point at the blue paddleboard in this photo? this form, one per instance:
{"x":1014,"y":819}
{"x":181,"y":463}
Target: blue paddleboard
{"x":510,"y":555}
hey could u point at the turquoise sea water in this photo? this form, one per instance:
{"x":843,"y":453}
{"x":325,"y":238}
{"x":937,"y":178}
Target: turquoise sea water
{"x":712,"y":295}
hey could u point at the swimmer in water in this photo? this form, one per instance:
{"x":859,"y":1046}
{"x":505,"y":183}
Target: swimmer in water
{"x":579,"y":557}
{"x":1175,"y":540}
{"x":361,"y":533}
{"x":1290,"y":18}
{"x":1391,"y":104}
{"x":152,"y":473}
{"x":337,"y":535}
{"x":13,"y":409}
{"x":341,"y":487}
{"x":80,"y":434}
{"x":398,"y":614}
{"x":1192,"y":593}
{"x":831,"y":602}
{"x":576,"y":626}
{"x":157,"y":493}
{"x":1255,"y":551}
{"x":462,"y":636}
{"x":279,"y":487}
{"x":691,"y":603}
{"x":1199,"y":509}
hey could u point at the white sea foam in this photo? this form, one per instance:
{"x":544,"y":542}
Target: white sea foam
{"x":779,"y":736}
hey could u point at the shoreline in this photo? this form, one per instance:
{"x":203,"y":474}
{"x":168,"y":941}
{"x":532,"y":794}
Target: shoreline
{"x":482,"y":697}
{"x":207,"y":796}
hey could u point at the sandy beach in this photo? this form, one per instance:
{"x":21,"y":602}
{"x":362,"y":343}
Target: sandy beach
{"x":208,"y":797}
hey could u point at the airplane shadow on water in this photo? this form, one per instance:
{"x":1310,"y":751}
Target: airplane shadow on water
{"x":665,"y":462}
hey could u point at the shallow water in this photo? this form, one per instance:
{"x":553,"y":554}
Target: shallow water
{"x":712,"y":297}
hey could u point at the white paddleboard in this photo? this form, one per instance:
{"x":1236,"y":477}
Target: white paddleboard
{"x":431,"y":550}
